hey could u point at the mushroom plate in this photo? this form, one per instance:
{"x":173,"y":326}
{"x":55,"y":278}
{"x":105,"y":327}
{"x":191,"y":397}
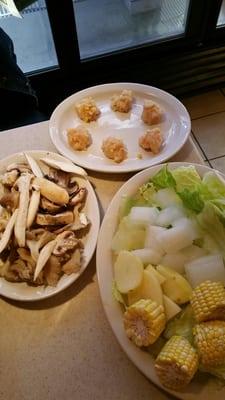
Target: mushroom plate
{"x":49,"y":223}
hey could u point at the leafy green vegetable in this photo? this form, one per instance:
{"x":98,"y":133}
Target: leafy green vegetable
{"x":144,"y":195}
{"x":192,"y":200}
{"x":186,"y":178}
{"x":155,"y":348}
{"x":210,"y":223}
{"x":218,"y":371}
{"x":125,"y":206}
{"x":117,"y":295}
{"x":164,"y":179}
{"x":181,"y":325}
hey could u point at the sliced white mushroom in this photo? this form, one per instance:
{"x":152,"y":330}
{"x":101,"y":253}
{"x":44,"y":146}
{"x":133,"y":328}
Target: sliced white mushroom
{"x":57,"y":219}
{"x":36,"y":245}
{"x":66,"y":166}
{"x":34,"y":166}
{"x":8,"y":231}
{"x":33,"y":207}
{"x":44,"y":255}
{"x":51,"y":191}
{"x":23,"y":184}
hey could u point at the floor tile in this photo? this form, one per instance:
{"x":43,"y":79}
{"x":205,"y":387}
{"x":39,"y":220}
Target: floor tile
{"x":219,"y":164}
{"x":198,"y":147}
{"x":210,"y":133}
{"x":205,"y":104}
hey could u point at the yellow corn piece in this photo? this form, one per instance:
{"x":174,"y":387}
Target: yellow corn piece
{"x":144,"y":321}
{"x":177,"y":363}
{"x":208,"y":301}
{"x":209,"y":338}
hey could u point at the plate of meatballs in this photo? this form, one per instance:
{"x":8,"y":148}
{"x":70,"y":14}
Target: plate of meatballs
{"x":119,"y":127}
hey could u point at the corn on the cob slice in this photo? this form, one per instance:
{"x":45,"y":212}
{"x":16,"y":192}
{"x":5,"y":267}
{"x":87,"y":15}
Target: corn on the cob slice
{"x":209,"y":338}
{"x":144,"y":321}
{"x":208,"y":301}
{"x":177,"y":363}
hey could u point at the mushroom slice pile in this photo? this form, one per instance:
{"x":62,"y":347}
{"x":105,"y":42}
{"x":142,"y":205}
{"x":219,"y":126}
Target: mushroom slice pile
{"x":42,"y":228}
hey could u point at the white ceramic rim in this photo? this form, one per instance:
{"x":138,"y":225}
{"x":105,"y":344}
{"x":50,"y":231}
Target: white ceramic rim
{"x":121,"y":168}
{"x":65,"y":280}
{"x":142,"y":360}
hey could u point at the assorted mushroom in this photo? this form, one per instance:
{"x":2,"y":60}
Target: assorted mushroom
{"x":42,"y":222}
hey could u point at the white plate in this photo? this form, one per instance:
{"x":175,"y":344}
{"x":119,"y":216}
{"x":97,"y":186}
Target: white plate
{"x":22,"y":291}
{"x":200,"y":388}
{"x":175,"y":127}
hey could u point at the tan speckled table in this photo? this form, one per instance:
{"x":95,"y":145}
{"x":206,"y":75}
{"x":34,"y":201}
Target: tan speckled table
{"x":63,"y":348}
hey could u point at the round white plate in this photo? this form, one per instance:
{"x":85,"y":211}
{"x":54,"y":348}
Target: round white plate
{"x":200,"y":388}
{"x":22,"y":291}
{"x":175,"y":127}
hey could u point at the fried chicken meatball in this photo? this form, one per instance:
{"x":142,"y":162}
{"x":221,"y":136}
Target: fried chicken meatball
{"x":79,"y":138}
{"x":122,"y":102}
{"x":152,"y":113}
{"x":114,"y":149}
{"x":151,"y":140}
{"x":87,"y":110}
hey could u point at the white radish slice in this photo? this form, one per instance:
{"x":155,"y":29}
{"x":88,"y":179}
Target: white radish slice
{"x":128,"y":271}
{"x":143,"y":215}
{"x":169,"y":215}
{"x":8,"y":231}
{"x":44,"y":255}
{"x":148,"y":256}
{"x":175,"y":261}
{"x":166,"y":197}
{"x":34,"y":166}
{"x":205,"y":268}
{"x":178,"y":237}
{"x":66,"y":166}
{"x":33,"y":207}
{"x":151,"y":238}
{"x":171,"y":308}
{"x":149,"y":289}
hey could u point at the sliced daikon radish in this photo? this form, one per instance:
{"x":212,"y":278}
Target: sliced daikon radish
{"x":148,"y":289}
{"x":176,"y":287}
{"x":128,"y":236}
{"x":168,"y":215}
{"x":205,"y":268}
{"x":160,"y":277}
{"x":151,"y":238}
{"x":175,"y":261}
{"x":178,"y":237}
{"x":128,"y":271}
{"x":192,"y":252}
{"x":167,"y":197}
{"x":143,"y":215}
{"x":148,"y":256}
{"x":171,"y":308}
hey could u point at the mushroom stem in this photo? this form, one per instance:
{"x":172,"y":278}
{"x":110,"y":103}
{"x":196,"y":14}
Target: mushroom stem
{"x":33,"y":207}
{"x":8,"y":231}
{"x":66,"y":166}
{"x":51,"y":191}
{"x":20,"y":226}
{"x":44,"y":255}
{"x":34,"y":166}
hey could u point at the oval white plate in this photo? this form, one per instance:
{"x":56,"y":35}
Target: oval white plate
{"x":198,"y":389}
{"x":175,"y":127}
{"x":22,"y":291}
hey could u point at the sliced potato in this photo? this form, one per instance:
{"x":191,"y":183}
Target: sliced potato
{"x":171,"y":308}
{"x":159,"y":276}
{"x":149,"y":289}
{"x":176,"y":287}
{"x":128,"y":271}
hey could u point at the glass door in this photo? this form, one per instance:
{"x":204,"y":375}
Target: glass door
{"x":106,"y":26}
{"x":221,"y":18}
{"x":31,"y":36}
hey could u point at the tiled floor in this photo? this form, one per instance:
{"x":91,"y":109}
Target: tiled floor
{"x":207,"y":113}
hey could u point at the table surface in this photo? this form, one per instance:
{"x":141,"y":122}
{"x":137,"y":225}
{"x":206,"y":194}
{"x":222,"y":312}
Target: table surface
{"x":63,"y":347}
